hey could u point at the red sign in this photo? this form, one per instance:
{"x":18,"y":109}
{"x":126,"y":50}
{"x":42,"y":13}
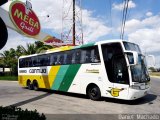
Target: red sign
{"x":24,"y":19}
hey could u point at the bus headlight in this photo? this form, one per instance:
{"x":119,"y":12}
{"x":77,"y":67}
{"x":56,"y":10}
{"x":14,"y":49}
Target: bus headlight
{"x":136,"y":87}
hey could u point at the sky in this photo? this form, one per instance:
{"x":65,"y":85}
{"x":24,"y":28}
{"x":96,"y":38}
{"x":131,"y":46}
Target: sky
{"x":102,"y":20}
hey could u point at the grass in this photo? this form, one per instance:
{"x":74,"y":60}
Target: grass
{"x":155,"y":74}
{"x":10,"y":78}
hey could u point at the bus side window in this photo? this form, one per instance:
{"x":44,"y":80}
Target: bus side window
{"x":46,"y":60}
{"x":88,"y":56}
{"x":43,"y":61}
{"x":95,"y":56}
{"x":27,"y":62}
{"x":77,"y":56}
{"x":83,"y":56}
{"x":61,"y":59}
{"x":56,"y":62}
{"x":22,"y":63}
{"x":40,"y":61}
{"x":65,"y":58}
{"x":92,"y":55}
{"x":34,"y":61}
{"x":73,"y":58}
{"x":69,"y":57}
{"x":53,"y":59}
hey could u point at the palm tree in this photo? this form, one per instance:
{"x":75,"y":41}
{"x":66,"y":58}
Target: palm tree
{"x":19,"y":51}
{"x":40,"y":47}
{"x":30,"y":49}
{"x":33,"y":48}
{"x":10,"y":57}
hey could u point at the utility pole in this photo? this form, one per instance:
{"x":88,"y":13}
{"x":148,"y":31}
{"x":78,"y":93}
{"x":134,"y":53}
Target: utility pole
{"x":73,"y":30}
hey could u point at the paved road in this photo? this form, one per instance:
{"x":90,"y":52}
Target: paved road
{"x":155,"y":86}
{"x":50,"y":102}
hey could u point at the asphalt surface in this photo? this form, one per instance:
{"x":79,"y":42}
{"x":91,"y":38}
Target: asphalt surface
{"x":52,"y":102}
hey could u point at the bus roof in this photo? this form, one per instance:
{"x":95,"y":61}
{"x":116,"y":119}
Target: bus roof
{"x":64,"y":48}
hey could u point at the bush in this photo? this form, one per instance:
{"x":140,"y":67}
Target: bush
{"x":152,"y":69}
{"x":15,"y":113}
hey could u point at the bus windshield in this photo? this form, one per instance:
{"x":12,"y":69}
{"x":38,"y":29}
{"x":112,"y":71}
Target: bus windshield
{"x":139,"y":72}
{"x":132,"y":47}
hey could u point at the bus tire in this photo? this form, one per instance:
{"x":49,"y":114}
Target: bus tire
{"x":35,"y":85}
{"x":93,"y":92}
{"x":29,"y":85}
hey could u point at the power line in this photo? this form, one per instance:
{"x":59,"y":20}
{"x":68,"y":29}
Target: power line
{"x":110,"y":12}
{"x":124,"y":17}
{"x":123,"y":12}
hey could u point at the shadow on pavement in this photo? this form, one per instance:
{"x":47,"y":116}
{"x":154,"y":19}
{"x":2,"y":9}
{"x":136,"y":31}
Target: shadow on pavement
{"x":146,"y":99}
{"x":30,"y":100}
{"x":65,"y":93}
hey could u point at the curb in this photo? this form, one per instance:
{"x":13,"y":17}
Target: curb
{"x":7,"y":81}
{"x":155,"y":76}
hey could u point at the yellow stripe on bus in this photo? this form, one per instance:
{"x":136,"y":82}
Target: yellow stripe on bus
{"x":52,"y":74}
{"x":64,"y":48}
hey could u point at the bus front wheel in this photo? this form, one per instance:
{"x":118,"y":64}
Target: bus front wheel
{"x":94,"y":92}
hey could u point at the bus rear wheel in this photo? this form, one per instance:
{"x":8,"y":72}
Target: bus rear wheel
{"x":35,"y":85}
{"x":94,"y":93}
{"x":29,"y":85}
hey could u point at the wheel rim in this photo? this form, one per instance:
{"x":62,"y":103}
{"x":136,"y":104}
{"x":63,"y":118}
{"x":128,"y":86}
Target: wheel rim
{"x":93,"y":92}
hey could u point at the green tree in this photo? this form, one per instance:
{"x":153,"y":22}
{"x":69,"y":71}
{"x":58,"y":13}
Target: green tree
{"x":40,"y":46}
{"x":37,"y":47}
{"x":10,"y":57}
{"x":30,"y":49}
{"x":152,"y":69}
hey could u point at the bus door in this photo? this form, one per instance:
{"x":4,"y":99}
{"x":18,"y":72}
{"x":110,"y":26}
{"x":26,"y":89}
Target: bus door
{"x":116,"y":69}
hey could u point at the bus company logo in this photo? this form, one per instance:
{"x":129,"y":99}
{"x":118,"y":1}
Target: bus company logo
{"x":24,"y":19}
{"x":37,"y":71}
{"x":92,"y":71}
{"x":115,"y":91}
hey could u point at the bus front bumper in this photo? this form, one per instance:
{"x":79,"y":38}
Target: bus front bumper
{"x":135,"y":93}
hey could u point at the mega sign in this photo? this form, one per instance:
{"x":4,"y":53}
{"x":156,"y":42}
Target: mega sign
{"x":24,"y":19}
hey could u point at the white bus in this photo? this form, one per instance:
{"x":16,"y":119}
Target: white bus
{"x":111,"y":68}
